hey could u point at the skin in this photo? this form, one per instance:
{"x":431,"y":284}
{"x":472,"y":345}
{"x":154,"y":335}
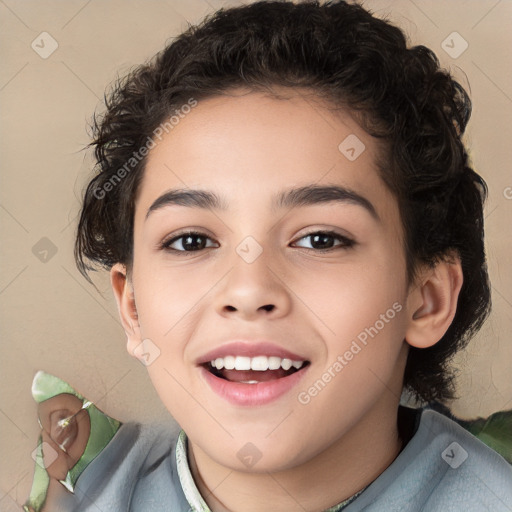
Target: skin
{"x":246,"y":147}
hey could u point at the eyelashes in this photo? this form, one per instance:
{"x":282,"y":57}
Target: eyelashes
{"x":322,"y":237}
{"x":196,"y":241}
{"x":187,"y":239}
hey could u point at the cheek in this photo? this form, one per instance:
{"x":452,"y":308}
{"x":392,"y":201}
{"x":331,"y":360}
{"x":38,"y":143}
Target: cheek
{"x":346,"y":299}
{"x":166,"y":297}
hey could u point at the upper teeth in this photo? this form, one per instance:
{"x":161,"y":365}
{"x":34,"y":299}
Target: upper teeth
{"x":259,"y":363}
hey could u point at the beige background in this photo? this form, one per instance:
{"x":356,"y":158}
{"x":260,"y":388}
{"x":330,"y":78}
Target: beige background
{"x":53,"y":320}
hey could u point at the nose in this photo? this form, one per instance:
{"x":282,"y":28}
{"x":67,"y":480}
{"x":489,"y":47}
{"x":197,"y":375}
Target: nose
{"x":253,"y":290}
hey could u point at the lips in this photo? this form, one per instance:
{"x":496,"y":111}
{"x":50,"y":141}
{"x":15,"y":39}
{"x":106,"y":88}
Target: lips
{"x":252,"y":373}
{"x":249,"y":392}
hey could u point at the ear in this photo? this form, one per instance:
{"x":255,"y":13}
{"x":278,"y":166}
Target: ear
{"x":123,"y":292}
{"x":432,"y":303}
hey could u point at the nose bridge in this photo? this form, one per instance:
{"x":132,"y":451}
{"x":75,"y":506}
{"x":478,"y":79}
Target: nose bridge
{"x":252,"y":287}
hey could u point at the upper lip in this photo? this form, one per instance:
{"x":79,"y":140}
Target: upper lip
{"x":249,"y":349}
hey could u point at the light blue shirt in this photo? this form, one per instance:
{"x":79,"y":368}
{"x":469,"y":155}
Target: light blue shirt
{"x":443,"y":468}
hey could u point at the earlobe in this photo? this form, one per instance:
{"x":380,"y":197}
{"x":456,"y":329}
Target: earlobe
{"x":433,"y":303}
{"x":124,"y":295}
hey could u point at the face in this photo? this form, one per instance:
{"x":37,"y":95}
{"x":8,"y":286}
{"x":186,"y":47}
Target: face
{"x":268,"y":272}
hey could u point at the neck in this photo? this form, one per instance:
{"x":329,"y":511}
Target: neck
{"x":346,"y":467}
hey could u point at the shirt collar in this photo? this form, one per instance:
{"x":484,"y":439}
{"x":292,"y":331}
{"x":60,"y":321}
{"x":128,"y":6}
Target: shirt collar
{"x":194,"y":498}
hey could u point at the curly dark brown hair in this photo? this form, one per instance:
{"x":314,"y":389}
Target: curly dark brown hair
{"x":352,"y":60}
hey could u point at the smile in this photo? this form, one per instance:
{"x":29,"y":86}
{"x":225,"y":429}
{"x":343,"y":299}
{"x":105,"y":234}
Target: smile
{"x":258,"y":380}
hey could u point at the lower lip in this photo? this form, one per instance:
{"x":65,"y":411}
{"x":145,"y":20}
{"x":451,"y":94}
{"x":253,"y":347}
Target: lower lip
{"x":252,"y":394}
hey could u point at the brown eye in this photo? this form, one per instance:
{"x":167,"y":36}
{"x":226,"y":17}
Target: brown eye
{"x":322,"y":241}
{"x":188,"y":242}
{"x":326,"y":240}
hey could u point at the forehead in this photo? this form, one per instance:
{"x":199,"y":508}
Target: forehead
{"x":246,"y":146}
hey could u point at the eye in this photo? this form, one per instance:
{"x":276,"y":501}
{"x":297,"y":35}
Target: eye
{"x":188,"y":242}
{"x":323,"y":241}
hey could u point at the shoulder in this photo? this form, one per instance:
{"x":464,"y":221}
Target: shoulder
{"x":137,"y":446}
{"x":443,"y":467}
{"x":136,"y":471}
{"x":468,"y":470}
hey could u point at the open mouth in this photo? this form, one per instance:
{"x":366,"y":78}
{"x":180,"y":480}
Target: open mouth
{"x":252,"y":370}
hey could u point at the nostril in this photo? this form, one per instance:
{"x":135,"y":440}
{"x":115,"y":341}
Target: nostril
{"x":266,"y":307}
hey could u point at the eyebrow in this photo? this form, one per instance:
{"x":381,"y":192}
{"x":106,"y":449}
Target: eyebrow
{"x":308,"y":195}
{"x":317,"y":194}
